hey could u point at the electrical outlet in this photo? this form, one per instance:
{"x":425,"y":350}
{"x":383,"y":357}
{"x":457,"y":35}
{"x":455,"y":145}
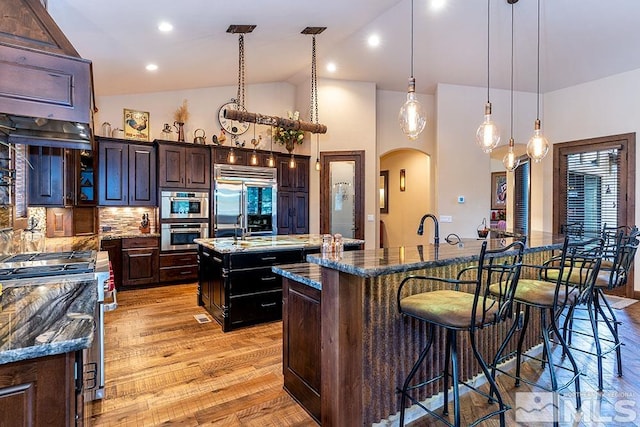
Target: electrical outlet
{"x":446,"y":218}
{"x":371,"y":218}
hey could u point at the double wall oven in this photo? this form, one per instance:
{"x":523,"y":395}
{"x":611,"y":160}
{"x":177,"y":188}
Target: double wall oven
{"x":184,"y":216}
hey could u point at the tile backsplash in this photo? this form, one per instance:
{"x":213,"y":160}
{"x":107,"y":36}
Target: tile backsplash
{"x":126,"y":220}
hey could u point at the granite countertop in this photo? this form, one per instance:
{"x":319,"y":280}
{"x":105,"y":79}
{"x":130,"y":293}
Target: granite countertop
{"x":377,"y":262}
{"x":269,"y":243}
{"x":46,"y":316}
{"x":304,"y":272}
{"x":126,"y":235}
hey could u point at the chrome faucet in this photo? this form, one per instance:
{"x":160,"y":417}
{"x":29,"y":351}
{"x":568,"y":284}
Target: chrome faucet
{"x":436,"y":237}
{"x":235,"y":230}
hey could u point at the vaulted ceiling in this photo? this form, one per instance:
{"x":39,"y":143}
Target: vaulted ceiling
{"x":580,"y":41}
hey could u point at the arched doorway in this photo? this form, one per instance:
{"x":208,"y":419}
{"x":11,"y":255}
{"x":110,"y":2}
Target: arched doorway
{"x":406,"y":206}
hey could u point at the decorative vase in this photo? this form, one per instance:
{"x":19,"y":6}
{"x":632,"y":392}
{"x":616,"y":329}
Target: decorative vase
{"x":290,"y":145}
{"x":180,"y":129}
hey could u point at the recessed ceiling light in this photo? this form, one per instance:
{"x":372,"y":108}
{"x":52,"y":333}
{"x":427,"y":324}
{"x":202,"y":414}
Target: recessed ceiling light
{"x":331,"y":67}
{"x":438,"y":4}
{"x":151,"y":67}
{"x":373,"y":40}
{"x":165,"y":27}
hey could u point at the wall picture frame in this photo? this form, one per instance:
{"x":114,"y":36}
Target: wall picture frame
{"x":498,"y":190}
{"x":136,"y":124}
{"x":384,"y":192}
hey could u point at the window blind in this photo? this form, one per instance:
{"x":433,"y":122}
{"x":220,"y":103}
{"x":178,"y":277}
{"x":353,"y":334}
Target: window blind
{"x":521,"y":196}
{"x":593,"y":189}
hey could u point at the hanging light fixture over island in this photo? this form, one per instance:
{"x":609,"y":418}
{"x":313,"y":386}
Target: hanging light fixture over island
{"x":412,"y":117}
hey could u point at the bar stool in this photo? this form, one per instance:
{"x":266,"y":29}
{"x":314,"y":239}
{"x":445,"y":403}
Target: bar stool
{"x":461,"y":305}
{"x":621,"y":245}
{"x":563,"y":281}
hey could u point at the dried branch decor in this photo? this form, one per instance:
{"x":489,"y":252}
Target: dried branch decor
{"x":181,"y":115}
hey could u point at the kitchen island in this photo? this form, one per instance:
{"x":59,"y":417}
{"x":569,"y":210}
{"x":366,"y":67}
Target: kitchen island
{"x":235,"y":282}
{"x":365,"y":347}
{"x":45,"y":324}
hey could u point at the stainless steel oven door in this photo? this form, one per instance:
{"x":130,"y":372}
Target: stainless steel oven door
{"x":180,"y":236}
{"x":184,"y":205}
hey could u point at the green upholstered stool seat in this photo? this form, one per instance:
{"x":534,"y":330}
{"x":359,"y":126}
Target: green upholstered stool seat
{"x":447,"y":308}
{"x":540,"y":292}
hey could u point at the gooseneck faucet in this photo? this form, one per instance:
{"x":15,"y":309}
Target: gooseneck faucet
{"x":436,"y":237}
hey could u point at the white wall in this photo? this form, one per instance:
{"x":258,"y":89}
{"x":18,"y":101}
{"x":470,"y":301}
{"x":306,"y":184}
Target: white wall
{"x":349,"y":111}
{"x":390,"y":139}
{"x":271,"y":99}
{"x":603,"y":107}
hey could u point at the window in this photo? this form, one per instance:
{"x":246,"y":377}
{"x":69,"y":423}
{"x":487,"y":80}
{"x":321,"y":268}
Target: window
{"x":594,"y":183}
{"x":521,"y":196}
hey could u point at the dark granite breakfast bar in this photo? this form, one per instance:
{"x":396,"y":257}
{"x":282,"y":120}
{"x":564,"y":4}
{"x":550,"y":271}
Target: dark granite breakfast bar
{"x":366,"y":348}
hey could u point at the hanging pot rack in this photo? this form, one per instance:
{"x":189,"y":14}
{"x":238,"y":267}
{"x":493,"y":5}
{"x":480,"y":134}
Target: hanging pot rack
{"x":261,"y":119}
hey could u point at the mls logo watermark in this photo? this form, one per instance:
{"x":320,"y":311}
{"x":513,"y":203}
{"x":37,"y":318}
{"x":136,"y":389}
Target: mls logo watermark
{"x":546,"y":407}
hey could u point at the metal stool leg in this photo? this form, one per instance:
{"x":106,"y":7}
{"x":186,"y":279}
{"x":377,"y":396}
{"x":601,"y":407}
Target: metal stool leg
{"x":455,"y":374}
{"x":412,"y":373}
{"x":525,"y":324}
{"x":447,"y":361}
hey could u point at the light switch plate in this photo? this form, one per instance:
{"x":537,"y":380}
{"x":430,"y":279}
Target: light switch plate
{"x":446,"y":218}
{"x":371,"y":218}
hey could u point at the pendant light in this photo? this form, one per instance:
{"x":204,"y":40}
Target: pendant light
{"x":412,"y":117}
{"x":538,"y":146}
{"x":488,"y":133}
{"x":510,"y":160}
{"x":271,"y":162}
{"x":313,"y":103}
{"x":254,"y":155}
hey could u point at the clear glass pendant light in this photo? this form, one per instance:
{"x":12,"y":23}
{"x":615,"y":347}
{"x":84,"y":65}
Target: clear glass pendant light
{"x":510,"y":160}
{"x":538,"y":145}
{"x":488,"y":133}
{"x":412,"y":117}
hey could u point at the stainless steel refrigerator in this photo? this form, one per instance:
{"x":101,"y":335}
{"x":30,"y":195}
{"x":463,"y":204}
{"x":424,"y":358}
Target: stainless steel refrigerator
{"x":245,"y":199}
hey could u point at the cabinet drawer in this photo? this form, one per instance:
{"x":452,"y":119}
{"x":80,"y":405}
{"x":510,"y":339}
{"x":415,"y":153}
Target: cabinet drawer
{"x":251,"y":281}
{"x":141,"y":242}
{"x":263,"y":259}
{"x":256,"y":308}
{"x":178,"y":259}
{"x":183,"y":273}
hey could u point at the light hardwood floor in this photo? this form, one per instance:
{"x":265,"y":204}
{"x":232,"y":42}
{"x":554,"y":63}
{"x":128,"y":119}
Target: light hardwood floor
{"x":165,"y":368}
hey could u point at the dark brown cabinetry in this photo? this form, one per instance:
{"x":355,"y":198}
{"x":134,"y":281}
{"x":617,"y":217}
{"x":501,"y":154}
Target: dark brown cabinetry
{"x":41,"y":391}
{"x":240,"y":289}
{"x":126,"y":173}
{"x":178,"y":266}
{"x":61,"y":177}
{"x":114,"y":248}
{"x":46,"y":177}
{"x":184,"y":165}
{"x":140,"y":259}
{"x":293,"y":195}
{"x":301,"y":325}
{"x":221,"y":156}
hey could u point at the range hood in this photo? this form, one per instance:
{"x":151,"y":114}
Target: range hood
{"x":47,"y":132}
{"x":45,"y":90}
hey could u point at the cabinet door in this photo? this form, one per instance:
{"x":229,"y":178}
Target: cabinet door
{"x":142,"y":175}
{"x":293,"y":179}
{"x":221,"y":156}
{"x":172,"y":165}
{"x":46,"y":178}
{"x":140,"y":266}
{"x":293,"y":212}
{"x":300,"y":213}
{"x":85,"y":169}
{"x":285,"y":206}
{"x":198,"y":167}
{"x":113,"y":176}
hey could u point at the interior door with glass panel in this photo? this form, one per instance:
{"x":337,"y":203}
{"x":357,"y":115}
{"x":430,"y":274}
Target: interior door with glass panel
{"x":342,"y":193}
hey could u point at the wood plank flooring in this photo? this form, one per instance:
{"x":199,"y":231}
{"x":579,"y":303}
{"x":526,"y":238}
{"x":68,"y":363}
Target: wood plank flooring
{"x":165,"y":368}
